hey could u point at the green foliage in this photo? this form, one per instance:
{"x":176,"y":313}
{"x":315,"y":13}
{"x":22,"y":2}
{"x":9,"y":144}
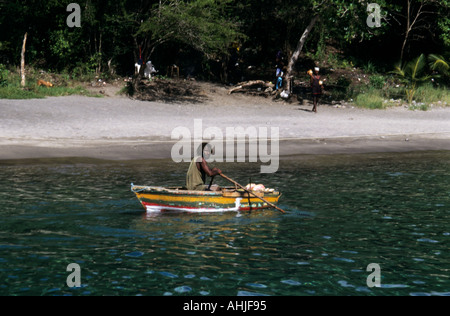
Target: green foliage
{"x":349,"y":19}
{"x":3,"y":76}
{"x":431,"y":95}
{"x":113,"y":31}
{"x":443,"y":22}
{"x":370,"y":100}
{"x":13,"y":90}
{"x":412,"y":74}
{"x":60,"y":45}
{"x":369,"y":67}
{"x":377,"y":81}
{"x":444,"y":25}
{"x":83,"y":72}
{"x":201,"y":24}
{"x":439,"y":63}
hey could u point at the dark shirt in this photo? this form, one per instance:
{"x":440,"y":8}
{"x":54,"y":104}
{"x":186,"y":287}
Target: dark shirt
{"x":315,"y":85}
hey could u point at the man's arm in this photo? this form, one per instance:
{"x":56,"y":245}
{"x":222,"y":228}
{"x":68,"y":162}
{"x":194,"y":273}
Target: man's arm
{"x":210,"y":172}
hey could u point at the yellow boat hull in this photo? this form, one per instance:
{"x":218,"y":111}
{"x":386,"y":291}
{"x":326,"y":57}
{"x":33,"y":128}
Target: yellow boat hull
{"x":177,"y":199}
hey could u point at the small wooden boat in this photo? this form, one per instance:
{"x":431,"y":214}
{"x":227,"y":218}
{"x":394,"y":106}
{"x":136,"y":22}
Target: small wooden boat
{"x":155,"y":198}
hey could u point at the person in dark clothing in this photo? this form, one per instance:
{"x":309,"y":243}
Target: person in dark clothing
{"x":316,"y":86}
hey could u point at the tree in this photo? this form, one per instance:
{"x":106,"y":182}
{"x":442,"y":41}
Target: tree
{"x":113,"y":32}
{"x":336,"y":15}
{"x":415,"y":15}
{"x":443,"y":23}
{"x":22,"y":61}
{"x":297,"y":51}
{"x":201,"y":24}
{"x":422,"y":20}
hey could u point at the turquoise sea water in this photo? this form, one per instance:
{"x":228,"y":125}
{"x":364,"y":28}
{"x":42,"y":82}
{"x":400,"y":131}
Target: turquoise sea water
{"x":343,"y":213}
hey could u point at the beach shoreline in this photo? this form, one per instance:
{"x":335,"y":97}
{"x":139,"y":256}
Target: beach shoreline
{"x":122,"y":150}
{"x":120,"y":128}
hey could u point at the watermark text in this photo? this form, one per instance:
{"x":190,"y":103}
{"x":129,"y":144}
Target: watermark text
{"x":74,"y":279}
{"x":74,"y":19}
{"x":374,"y":18}
{"x":237,"y":144}
{"x":374,"y":279}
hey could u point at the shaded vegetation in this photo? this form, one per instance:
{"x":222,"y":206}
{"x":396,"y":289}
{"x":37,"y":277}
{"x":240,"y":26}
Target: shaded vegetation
{"x":231,"y":41}
{"x":10,"y":86}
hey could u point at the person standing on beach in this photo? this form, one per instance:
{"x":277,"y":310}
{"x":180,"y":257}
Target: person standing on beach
{"x":279,"y":73}
{"x":198,"y":169}
{"x":316,"y":86}
{"x":279,"y":76}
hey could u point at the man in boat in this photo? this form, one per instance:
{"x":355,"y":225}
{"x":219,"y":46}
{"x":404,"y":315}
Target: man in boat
{"x":198,"y":169}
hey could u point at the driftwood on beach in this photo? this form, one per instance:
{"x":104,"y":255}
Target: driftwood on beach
{"x":247,"y":84}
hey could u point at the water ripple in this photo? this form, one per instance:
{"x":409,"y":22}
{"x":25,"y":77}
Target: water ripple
{"x":389,"y":210}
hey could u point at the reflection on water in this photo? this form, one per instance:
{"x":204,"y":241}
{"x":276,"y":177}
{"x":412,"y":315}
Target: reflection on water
{"x":344,"y":212}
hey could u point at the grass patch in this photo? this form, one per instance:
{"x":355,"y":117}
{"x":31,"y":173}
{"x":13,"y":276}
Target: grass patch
{"x":10,"y":87}
{"x":36,"y":92}
{"x":431,"y":95}
{"x":426,"y":97}
{"x":418,"y":106}
{"x":371,"y":99}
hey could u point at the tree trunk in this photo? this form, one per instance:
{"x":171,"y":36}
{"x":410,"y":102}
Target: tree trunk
{"x":408,"y":29}
{"x":402,"y":51}
{"x":297,"y":51}
{"x":22,"y":61}
{"x":248,"y":84}
{"x":99,"y":55}
{"x":412,"y":19}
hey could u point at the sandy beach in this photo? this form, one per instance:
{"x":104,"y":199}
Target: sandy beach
{"x":119,"y":128}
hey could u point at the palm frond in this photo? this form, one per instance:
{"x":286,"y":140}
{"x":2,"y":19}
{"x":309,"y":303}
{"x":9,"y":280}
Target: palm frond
{"x":438,"y":63}
{"x":416,"y":67}
{"x":398,"y":70}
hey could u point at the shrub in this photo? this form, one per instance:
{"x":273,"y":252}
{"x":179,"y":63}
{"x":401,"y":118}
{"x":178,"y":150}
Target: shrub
{"x":370,"y":100}
{"x":13,"y":90}
{"x":432,"y":95}
{"x":3,"y":76}
{"x":377,"y":81}
{"x":412,"y":74}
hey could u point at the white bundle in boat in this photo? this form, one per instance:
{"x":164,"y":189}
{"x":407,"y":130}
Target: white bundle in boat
{"x":255,"y":187}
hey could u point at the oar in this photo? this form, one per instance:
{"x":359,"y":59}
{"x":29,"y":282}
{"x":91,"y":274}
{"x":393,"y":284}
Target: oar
{"x":250,"y":192}
{"x":210,"y":183}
